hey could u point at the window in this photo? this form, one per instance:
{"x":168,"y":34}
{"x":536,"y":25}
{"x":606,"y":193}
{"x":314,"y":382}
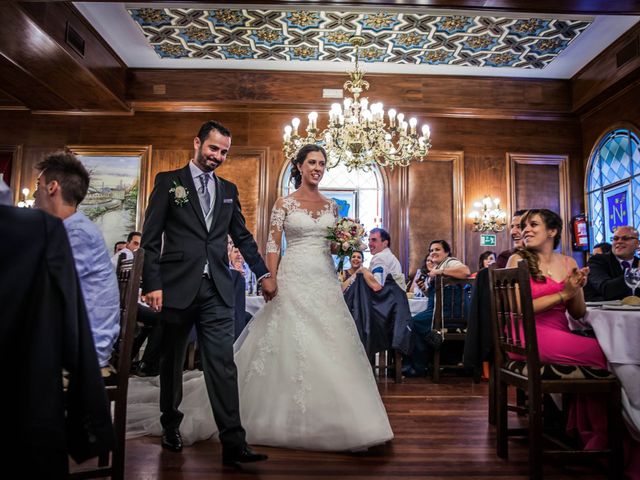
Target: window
{"x":613,"y":184}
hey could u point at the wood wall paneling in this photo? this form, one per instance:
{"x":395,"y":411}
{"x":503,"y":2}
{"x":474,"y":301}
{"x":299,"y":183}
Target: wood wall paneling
{"x":14,"y":152}
{"x":434,"y":206}
{"x":541,"y":181}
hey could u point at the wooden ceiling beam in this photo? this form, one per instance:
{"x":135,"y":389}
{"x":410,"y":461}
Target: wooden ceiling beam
{"x":44,"y":75}
{"x":575,"y":7}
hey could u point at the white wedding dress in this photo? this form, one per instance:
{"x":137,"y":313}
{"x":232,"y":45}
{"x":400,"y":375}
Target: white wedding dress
{"x":304,"y":379}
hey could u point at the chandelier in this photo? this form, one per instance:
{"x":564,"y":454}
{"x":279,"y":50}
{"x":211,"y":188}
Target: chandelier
{"x":357,"y":135}
{"x":489,"y":217}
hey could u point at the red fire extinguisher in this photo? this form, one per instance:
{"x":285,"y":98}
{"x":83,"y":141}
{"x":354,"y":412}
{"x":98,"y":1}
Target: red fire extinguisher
{"x":580,"y":233}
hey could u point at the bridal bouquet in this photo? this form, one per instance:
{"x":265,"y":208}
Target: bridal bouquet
{"x":349,"y":235}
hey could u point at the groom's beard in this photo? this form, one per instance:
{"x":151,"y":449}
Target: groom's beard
{"x":208,"y":164}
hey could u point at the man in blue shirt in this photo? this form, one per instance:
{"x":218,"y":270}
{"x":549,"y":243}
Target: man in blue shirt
{"x":62,"y":184}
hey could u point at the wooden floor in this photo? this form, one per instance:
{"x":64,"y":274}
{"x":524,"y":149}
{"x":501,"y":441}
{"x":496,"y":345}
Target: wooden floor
{"x":441,"y":431}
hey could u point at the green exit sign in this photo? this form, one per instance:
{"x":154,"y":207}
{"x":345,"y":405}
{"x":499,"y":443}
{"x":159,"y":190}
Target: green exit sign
{"x":487,"y":240}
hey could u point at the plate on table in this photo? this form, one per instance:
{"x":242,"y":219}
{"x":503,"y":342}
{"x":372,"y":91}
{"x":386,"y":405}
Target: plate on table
{"x":620,"y":307}
{"x":601,"y":303}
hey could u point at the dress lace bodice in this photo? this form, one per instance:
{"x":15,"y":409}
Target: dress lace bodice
{"x":304,"y":226}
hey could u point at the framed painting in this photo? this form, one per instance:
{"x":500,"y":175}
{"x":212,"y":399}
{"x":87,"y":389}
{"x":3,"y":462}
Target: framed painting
{"x":346,"y":199}
{"x":117,"y":194}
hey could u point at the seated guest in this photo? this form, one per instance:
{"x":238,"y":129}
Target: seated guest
{"x":556,"y":289}
{"x":62,"y":184}
{"x":606,"y":271}
{"x":356,"y":260}
{"x":486,"y":258}
{"x":418,"y":286}
{"x":516,"y":238}
{"x":119,"y":245}
{"x":236,"y":262}
{"x":44,"y":329}
{"x":602,"y":247}
{"x":444,"y":264}
{"x":132,"y":244}
{"x":384,"y":262}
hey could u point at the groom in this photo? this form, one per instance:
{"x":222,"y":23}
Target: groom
{"x":186,"y":276}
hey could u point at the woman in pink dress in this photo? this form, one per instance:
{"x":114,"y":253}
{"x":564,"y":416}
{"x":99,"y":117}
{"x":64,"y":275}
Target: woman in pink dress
{"x":556,"y":288}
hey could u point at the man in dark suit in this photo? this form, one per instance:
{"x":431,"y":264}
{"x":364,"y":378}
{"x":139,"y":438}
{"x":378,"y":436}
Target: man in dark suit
{"x":606,"y":271}
{"x":186,"y":276}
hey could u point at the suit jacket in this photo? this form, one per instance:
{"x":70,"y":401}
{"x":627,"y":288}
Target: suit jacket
{"x":174,"y":263}
{"x":43,"y":329}
{"x":382,"y":318}
{"x":606,"y":278}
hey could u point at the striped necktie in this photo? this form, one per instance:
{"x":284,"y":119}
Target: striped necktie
{"x":204,"y":182}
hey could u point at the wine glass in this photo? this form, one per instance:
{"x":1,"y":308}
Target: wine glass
{"x":632,"y":279}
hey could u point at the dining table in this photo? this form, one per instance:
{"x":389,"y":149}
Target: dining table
{"x":617,"y":329}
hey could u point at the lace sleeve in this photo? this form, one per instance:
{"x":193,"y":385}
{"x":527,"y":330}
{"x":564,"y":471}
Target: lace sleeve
{"x":334,"y":208}
{"x":276,"y":224}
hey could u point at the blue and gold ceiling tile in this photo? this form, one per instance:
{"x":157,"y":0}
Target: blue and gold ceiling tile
{"x":182,"y":17}
{"x":199,"y":36}
{"x":277,"y":52}
{"x":481,"y":43}
{"x":345,"y":20}
{"x":409,"y":40}
{"x":531,"y":27}
{"x":170,"y":50}
{"x":404,"y":56}
{"x":227,"y":18}
{"x":302,"y":20}
{"x":156,"y":17}
{"x":338,"y":54}
{"x":337,"y":38}
{"x":379,"y":21}
{"x":506,"y":59}
{"x":237,"y":52}
{"x":549,"y":45}
{"x":267,"y":36}
{"x":372,"y":54}
{"x":454,"y":24}
{"x":437,"y":57}
{"x":207,"y":52}
{"x":304,"y":52}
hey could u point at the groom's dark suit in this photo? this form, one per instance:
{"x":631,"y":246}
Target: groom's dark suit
{"x":175,"y":265}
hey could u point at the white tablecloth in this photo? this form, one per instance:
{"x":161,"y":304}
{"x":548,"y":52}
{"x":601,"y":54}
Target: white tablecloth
{"x":254,"y":303}
{"x":618,"y":333}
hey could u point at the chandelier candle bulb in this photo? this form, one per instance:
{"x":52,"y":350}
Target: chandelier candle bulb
{"x":295,"y":122}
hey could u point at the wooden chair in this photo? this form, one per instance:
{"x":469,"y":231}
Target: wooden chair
{"x":385,"y":368}
{"x":513,"y":316}
{"x":129,"y":273}
{"x":450,"y":314}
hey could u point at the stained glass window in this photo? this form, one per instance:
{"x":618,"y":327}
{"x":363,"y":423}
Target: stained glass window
{"x":613,"y":184}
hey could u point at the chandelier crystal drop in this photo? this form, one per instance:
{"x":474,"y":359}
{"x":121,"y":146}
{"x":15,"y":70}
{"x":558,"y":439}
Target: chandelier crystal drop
{"x":357,"y":135}
{"x":488,"y":217}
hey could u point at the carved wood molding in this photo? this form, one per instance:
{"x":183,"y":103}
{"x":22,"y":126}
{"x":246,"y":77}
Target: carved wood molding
{"x":562,"y":162}
{"x":143,"y":151}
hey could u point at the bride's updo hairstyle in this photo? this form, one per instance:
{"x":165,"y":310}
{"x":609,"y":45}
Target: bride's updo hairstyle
{"x":296,"y":175}
{"x":552,"y":221}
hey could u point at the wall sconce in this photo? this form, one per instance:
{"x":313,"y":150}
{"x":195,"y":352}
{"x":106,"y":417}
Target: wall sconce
{"x":488,"y":216}
{"x":26,"y":203}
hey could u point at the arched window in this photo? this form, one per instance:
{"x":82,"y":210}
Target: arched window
{"x":359,"y":194}
{"x":613,"y":184}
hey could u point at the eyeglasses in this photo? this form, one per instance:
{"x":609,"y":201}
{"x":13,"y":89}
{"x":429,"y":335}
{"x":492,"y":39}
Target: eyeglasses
{"x":624,"y":238}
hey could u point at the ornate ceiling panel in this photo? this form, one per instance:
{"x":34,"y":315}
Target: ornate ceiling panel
{"x":401,"y":38}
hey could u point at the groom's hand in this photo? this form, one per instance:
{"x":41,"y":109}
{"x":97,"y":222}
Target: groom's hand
{"x":269,"y":288}
{"x":154,"y":300}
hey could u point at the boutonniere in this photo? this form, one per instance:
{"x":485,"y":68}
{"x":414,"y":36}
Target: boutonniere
{"x":180,"y":194}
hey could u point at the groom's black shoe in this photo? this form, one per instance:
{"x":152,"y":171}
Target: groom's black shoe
{"x":171,"y":439}
{"x":241,"y":455}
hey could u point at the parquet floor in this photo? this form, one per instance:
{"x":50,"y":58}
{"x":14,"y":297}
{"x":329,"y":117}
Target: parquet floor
{"x":441,"y":431}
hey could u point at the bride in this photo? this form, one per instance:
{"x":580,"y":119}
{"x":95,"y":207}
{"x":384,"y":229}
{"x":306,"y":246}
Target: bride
{"x":304,"y":378}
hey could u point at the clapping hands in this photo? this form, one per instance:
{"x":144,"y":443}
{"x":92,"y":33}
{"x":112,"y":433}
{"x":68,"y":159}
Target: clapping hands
{"x":575,"y":281}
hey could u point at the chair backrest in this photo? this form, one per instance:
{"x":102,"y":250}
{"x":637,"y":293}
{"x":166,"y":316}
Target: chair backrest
{"x":513,"y":317}
{"x":451,"y":301}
